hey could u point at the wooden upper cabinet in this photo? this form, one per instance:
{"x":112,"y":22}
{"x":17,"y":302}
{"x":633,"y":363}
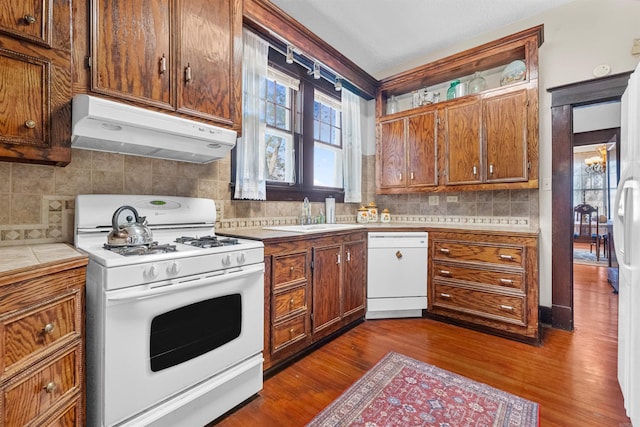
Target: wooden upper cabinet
{"x":421,"y":149}
{"x":505,"y":136}
{"x":392,"y":163}
{"x":407,"y":151}
{"x":35,"y":62}
{"x":463,"y":146}
{"x":132,"y":50}
{"x":27,"y":19}
{"x":480,"y":141}
{"x":178,"y":55}
{"x":205,"y":56}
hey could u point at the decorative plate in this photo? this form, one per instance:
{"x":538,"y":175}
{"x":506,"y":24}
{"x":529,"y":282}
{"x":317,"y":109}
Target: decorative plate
{"x":514,"y":72}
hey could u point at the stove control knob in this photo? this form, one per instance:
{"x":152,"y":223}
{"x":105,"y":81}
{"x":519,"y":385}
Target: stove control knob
{"x":242,"y":258}
{"x":173,"y":269}
{"x":226,"y":260}
{"x":152,"y":272}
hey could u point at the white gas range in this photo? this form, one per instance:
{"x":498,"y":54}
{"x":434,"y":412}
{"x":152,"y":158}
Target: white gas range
{"x":175,"y":325}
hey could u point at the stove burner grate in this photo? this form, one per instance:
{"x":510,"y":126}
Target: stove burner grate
{"x":207,"y":241}
{"x":152,"y":248}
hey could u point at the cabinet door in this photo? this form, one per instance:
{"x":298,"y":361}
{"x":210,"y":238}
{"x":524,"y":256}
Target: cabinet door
{"x":132,"y":51}
{"x":27,"y":123}
{"x":463,"y":142}
{"x":205,"y":59}
{"x":354,"y":278}
{"x":421,"y":150}
{"x":505,"y":129}
{"x":392,"y":154}
{"x":327,"y":268}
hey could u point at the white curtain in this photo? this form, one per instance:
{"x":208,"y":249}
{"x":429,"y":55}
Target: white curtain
{"x":352,"y":147}
{"x":250,"y":155}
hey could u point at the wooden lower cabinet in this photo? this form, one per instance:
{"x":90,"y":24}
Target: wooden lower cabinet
{"x":314,"y":286}
{"x":486,"y":280}
{"x":41,"y":345}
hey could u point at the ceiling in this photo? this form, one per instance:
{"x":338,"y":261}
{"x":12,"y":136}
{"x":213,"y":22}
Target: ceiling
{"x":380,"y":35}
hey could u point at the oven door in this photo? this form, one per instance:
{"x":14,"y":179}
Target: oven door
{"x":163,"y":338}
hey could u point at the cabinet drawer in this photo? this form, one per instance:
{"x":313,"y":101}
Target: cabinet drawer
{"x":27,"y":21}
{"x":68,"y":417}
{"x":507,"y":308}
{"x":473,"y":252}
{"x":37,"y":329}
{"x":289,"y":332}
{"x":289,"y":302}
{"x":289,"y":268}
{"x":478,"y":275}
{"x":30,"y":396}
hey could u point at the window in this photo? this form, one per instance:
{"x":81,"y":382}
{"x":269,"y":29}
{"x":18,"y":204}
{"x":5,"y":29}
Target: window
{"x":327,"y":145}
{"x":302,"y":134}
{"x":278,"y":135}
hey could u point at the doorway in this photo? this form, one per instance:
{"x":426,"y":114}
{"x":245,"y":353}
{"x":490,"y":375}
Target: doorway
{"x":563,"y":100}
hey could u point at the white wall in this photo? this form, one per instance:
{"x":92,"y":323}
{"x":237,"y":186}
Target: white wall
{"x":578,"y":36}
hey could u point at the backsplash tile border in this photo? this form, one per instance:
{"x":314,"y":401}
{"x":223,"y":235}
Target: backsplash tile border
{"x":55,"y":227}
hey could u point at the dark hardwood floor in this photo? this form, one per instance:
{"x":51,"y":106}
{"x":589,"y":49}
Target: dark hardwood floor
{"x":572,"y":375}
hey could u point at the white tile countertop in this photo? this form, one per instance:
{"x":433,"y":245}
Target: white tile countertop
{"x":27,"y":256}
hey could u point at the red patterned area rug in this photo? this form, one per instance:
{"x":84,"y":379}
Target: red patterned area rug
{"x":401,"y":391}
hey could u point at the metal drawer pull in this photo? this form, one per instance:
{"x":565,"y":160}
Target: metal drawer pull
{"x":50,"y":387}
{"x":475,"y":170}
{"x":348,"y":256}
{"x":291,"y":269}
{"x":445,"y":272}
{"x":291,"y":332}
{"x":291,"y":302}
{"x":48,"y":328}
{"x":187,"y":73}
{"x":30,"y":19}
{"x":491,"y":169}
{"x":411,"y":175}
{"x":506,"y":257}
{"x":444,"y":250}
{"x":30,"y":124}
{"x":506,"y":307}
{"x":445,"y":296}
{"x":163,"y":64}
{"x":506,"y":281}
{"x":338,"y":259}
{"x":400,"y":176}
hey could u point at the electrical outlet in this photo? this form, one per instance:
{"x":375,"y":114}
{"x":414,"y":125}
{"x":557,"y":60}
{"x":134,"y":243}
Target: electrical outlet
{"x":452,"y":199}
{"x":434,"y":200}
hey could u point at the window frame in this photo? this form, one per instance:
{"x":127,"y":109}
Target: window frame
{"x":303,"y":143}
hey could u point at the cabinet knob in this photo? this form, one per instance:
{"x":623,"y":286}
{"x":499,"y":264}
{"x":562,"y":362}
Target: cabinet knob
{"x":48,"y":328}
{"x":398,"y":254}
{"x":291,"y":301}
{"x":50,"y":387}
{"x":163,"y":64}
{"x":30,"y":124}
{"x":291,"y":332}
{"x":187,"y":73}
{"x":29,"y":19}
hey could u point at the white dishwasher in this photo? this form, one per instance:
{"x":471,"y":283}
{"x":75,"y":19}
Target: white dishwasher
{"x":396,"y":274}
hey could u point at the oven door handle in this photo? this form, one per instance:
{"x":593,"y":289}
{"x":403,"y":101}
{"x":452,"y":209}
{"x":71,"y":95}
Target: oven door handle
{"x":136,"y":294}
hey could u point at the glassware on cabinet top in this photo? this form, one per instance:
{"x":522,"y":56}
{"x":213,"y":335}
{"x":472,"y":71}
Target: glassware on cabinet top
{"x":451,"y":92}
{"x":477,"y":83}
{"x":392,"y":106}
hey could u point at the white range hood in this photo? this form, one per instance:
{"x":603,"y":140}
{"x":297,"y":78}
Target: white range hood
{"x":103,"y":125}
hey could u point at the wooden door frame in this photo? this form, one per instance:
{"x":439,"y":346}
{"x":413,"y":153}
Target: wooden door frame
{"x":563,"y":99}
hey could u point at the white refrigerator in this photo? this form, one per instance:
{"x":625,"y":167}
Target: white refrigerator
{"x":626,"y":235}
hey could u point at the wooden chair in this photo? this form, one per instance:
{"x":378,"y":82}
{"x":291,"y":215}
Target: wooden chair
{"x":586,"y":227}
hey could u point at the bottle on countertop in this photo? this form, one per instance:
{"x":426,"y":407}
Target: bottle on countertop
{"x":330,"y":209}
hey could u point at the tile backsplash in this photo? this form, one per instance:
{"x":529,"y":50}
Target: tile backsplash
{"x":39,"y":200}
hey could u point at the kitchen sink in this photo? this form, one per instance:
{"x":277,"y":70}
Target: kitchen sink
{"x":314,"y":228}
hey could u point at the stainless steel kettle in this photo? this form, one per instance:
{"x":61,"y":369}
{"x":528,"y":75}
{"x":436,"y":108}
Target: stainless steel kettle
{"x":134,"y":232}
